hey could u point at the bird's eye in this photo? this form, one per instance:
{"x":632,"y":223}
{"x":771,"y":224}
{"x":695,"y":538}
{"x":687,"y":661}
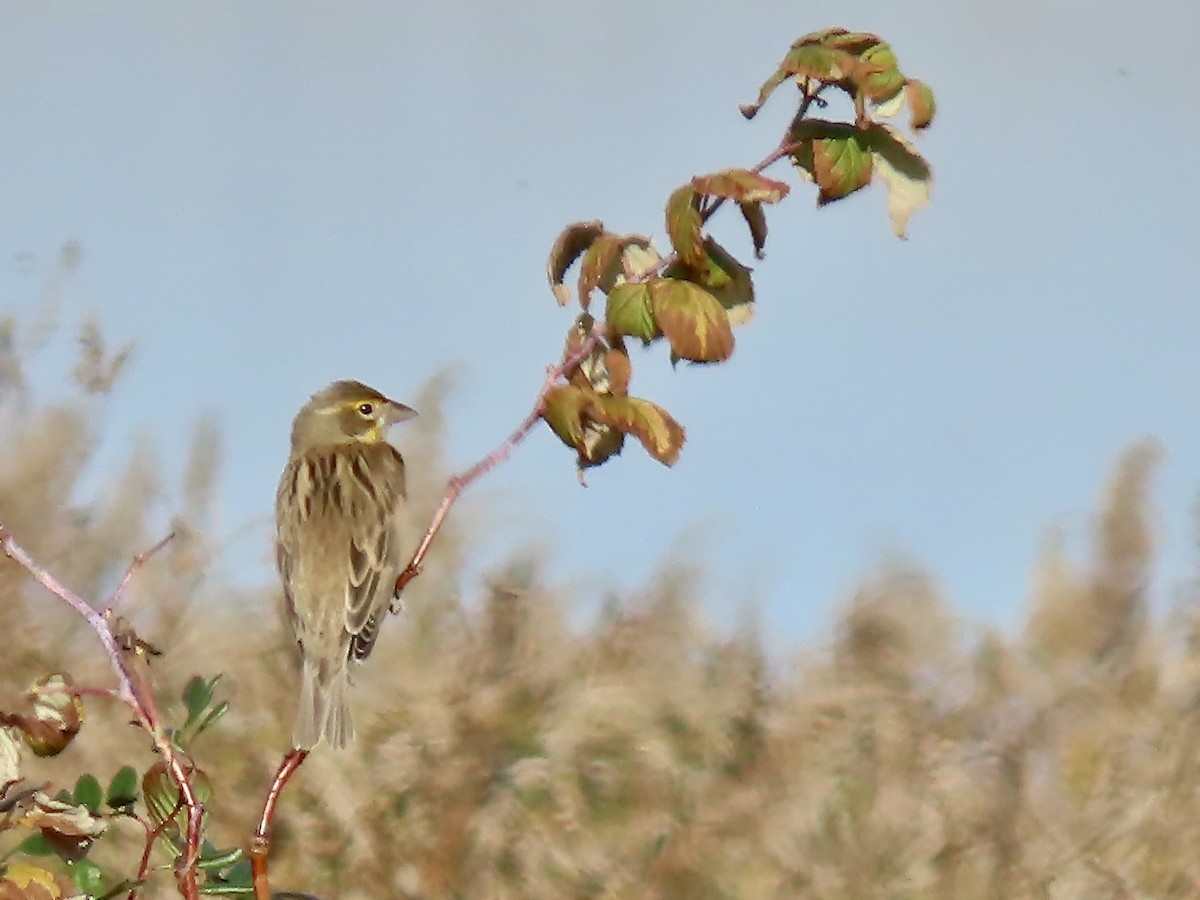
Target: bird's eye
{"x":366,"y":408}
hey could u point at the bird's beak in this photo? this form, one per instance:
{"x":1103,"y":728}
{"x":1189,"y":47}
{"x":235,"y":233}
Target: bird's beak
{"x":397,"y":412}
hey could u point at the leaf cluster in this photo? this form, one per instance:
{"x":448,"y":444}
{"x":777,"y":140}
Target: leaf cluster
{"x":692,"y":297}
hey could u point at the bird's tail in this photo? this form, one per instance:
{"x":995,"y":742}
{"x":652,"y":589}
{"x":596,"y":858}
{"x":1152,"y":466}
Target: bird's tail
{"x":324,"y":710}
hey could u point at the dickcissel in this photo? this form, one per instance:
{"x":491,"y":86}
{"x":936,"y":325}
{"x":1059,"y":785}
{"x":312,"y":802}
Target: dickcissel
{"x":337,"y":518}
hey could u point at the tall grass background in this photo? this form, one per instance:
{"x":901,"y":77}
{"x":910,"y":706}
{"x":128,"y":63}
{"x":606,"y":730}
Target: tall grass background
{"x":505,"y":751}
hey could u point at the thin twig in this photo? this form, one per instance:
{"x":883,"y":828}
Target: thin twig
{"x":261,"y":848}
{"x":458,"y":483}
{"x":785,"y":147}
{"x":132,"y":690}
{"x":152,"y":833}
{"x":138,"y":561}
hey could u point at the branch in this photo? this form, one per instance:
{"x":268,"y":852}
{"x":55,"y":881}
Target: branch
{"x":132,"y":689}
{"x":458,"y":483}
{"x":261,"y":848}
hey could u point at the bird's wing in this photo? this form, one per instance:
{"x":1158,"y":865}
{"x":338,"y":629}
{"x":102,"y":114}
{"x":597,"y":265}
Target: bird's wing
{"x":374,"y":479}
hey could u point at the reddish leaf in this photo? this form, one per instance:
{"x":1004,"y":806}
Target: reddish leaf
{"x":55,"y":716}
{"x":658,"y":432}
{"x":600,"y":266}
{"x":855,"y":42}
{"x":620,"y":371}
{"x":570,"y":243}
{"x":741,"y":185}
{"x":756,"y":220}
{"x":921,"y":104}
{"x":683,"y":224}
{"x":694,"y":323}
{"x":628,"y":312}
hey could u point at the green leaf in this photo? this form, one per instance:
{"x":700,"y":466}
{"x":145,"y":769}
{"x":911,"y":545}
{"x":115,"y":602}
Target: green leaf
{"x":241,"y":874}
{"x":89,"y":793}
{"x":684,"y":224}
{"x":881,"y":77}
{"x":695,"y":324}
{"x":733,"y":288}
{"x":87,"y":876}
{"x":197,"y":694}
{"x":563,"y":411}
{"x":628,"y":312}
{"x":212,"y":858}
{"x":834,"y":155}
{"x":36,"y":845}
{"x":725,"y":278}
{"x":123,"y":789}
{"x":214,"y":716}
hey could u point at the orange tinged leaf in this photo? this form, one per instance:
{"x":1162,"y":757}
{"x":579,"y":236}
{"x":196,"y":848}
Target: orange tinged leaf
{"x":695,"y":324}
{"x":725,"y":278}
{"x":921,"y":104}
{"x":620,"y":370}
{"x":756,"y":221}
{"x":856,"y":42}
{"x":659,"y":433}
{"x":600,"y":267}
{"x":22,"y":880}
{"x":683,"y":224}
{"x":570,"y":243}
{"x":741,"y":185}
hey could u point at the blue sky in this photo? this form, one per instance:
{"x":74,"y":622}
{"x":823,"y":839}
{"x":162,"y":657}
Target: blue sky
{"x":273,"y":195}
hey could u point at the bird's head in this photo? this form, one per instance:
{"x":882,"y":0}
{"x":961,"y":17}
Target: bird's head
{"x":346,"y":412}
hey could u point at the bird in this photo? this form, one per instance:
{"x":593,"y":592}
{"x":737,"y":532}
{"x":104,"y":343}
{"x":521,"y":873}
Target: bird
{"x":338,"y":510}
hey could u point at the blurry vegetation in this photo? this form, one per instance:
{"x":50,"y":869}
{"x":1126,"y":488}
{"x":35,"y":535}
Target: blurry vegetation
{"x":505,"y":754}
